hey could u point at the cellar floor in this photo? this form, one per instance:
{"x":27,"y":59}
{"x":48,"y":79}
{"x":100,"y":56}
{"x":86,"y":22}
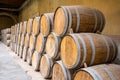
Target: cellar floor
{"x":14,"y":68}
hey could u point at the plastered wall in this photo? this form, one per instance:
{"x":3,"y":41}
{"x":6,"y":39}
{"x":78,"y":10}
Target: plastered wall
{"x":6,"y":22}
{"x":110,"y":8}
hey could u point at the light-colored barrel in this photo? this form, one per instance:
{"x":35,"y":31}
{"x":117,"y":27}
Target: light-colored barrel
{"x":46,"y":66}
{"x":40,"y":43}
{"x":36,"y":26}
{"x":46,"y":23}
{"x":90,"y":48}
{"x":36,"y":57}
{"x":116,"y":39}
{"x":32,"y":42}
{"x":29,"y":26}
{"x":29,"y":56}
{"x":53,"y":46}
{"x":18,"y":28}
{"x":21,"y":51}
{"x":19,"y":39}
{"x":24,"y":27}
{"x":21,"y":25}
{"x":27,"y":39}
{"x":79,"y":18}
{"x":25,"y":51}
{"x":60,"y":72}
{"x":99,"y":72}
{"x":22,"y":40}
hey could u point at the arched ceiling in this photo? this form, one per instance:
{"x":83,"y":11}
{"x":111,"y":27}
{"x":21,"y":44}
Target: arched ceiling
{"x":15,"y":4}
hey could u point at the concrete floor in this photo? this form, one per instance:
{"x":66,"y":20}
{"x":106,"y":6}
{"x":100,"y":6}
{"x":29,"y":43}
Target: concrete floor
{"x":24,"y":71}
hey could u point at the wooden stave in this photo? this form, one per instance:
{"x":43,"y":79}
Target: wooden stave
{"x":77,"y":64}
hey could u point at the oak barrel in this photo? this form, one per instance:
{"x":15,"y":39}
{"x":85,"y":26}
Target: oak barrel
{"x":29,"y":26}
{"x":79,"y":18}
{"x":29,"y":56}
{"x":46,"y":65}
{"x":19,"y":39}
{"x":90,"y":48}
{"x":53,"y":46}
{"x":36,"y":26}
{"x":99,"y":72}
{"x":21,"y":51}
{"x":24,"y":28}
{"x":46,"y":23}
{"x":21,"y":25}
{"x":32,"y":42}
{"x":18,"y":28}
{"x":60,"y":72}
{"x":25,"y":51}
{"x":40,"y":43}
{"x":22,"y":40}
{"x":27,"y":39}
{"x":36,"y":57}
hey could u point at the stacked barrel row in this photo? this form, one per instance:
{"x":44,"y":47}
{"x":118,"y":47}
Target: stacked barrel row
{"x":61,"y":44}
{"x":83,"y":46}
{"x":5,"y":35}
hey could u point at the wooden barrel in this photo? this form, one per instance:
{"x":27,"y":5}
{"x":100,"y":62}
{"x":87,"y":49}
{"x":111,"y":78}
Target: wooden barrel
{"x":7,"y":30}
{"x":17,"y":49}
{"x":60,"y":72}
{"x":8,"y":42}
{"x":18,"y":28}
{"x":90,"y":48}
{"x":36,"y":26}
{"x":32,"y":42}
{"x":19,"y":39}
{"x":53,"y":46}
{"x":36,"y":60}
{"x":22,"y":40}
{"x":40,"y":43}
{"x":46,"y":23}
{"x":99,"y":72}
{"x":79,"y":18}
{"x":25,"y":51}
{"x":29,"y":26}
{"x":8,"y":36}
{"x":15,"y":27}
{"x":46,"y":65}
{"x":21,"y":51}
{"x":116,"y":39}
{"x":27,"y":39}
{"x":24,"y":27}
{"x":29,"y":56}
{"x":21,"y":25}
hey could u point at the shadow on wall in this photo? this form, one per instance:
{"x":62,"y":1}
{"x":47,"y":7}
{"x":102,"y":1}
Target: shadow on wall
{"x":6,"y":20}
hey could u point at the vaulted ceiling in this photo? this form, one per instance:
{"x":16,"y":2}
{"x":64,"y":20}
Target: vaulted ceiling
{"x":15,"y":4}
